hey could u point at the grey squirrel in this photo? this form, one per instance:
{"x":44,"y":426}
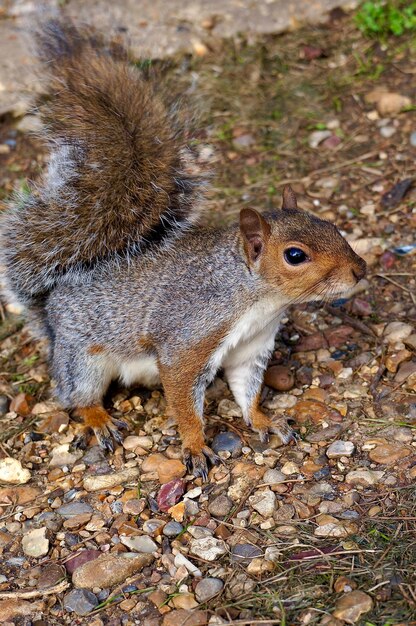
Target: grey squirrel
{"x":108,"y":256}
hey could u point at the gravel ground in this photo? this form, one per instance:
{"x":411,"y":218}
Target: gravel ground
{"x":321,"y":531}
{"x":155,"y":29}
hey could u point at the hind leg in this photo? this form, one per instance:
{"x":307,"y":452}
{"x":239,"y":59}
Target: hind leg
{"x":83,"y":376}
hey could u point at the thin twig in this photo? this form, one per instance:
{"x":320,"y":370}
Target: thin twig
{"x":35,"y":593}
{"x":357,"y":324}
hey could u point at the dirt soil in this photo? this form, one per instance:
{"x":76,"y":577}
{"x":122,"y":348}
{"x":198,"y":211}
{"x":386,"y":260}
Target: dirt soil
{"x":321,"y":531}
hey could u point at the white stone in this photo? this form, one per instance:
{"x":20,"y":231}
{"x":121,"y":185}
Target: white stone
{"x":317,"y":137}
{"x":229,"y":408}
{"x":264,"y":502}
{"x":273,"y":477}
{"x":208,"y":548}
{"x":139,"y":543}
{"x":363,"y":477}
{"x":340,"y":448}
{"x":290,"y":468}
{"x":273,"y":554}
{"x":182,"y":561}
{"x":345,"y":373}
{"x":11,"y":471}
{"x":194,"y":493}
{"x":35,"y":543}
{"x":61,"y":456}
{"x":397,"y":331}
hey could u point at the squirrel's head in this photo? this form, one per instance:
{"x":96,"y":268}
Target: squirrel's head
{"x":303,"y":257}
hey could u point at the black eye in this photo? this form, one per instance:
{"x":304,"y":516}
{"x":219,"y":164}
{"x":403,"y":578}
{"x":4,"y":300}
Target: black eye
{"x":295,"y":256}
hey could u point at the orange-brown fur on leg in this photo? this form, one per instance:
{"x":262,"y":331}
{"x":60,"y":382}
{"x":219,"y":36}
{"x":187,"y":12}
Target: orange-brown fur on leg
{"x":264,"y":425}
{"x":179,"y":395}
{"x":105,"y":427}
{"x":184,"y":386}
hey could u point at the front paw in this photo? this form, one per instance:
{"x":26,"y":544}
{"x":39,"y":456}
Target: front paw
{"x":105,"y":427}
{"x":266,"y":426}
{"x":196,"y":461}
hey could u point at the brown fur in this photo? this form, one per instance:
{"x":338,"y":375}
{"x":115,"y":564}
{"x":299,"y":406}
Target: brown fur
{"x":96,"y":349}
{"x":120,"y":173}
{"x":93,"y":416}
{"x":179,"y":380}
{"x":104,"y":257}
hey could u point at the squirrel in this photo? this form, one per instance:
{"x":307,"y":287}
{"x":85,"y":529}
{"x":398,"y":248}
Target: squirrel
{"x":108,"y":256}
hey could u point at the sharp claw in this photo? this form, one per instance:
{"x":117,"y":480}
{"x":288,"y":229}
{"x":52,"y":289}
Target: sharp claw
{"x":196,"y":464}
{"x":214,"y":459}
{"x":80,"y":442}
{"x":264,"y":436}
{"x":121,"y":424}
{"x":187,"y":460}
{"x":117,"y":436}
{"x":104,"y":441}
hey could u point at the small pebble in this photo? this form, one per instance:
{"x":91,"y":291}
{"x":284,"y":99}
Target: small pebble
{"x":107,"y":481}
{"x":208,"y":588}
{"x":170,"y":494}
{"x":228,"y":441}
{"x":79,"y":559}
{"x":140,"y":543}
{"x":324,"y":472}
{"x":351,"y":606}
{"x":229,"y":408}
{"x":74,"y":508}
{"x":153,"y":526}
{"x":4,"y":405}
{"x":12,"y":472}
{"x":208,"y":548}
{"x":50,"y":575}
{"x":264,"y":502}
{"x":290,"y":468}
{"x":273,"y":477}
{"x":220,"y":506}
{"x":35,"y":543}
{"x":397,"y":331}
{"x":388,"y":453}
{"x":80,"y":601}
{"x":317,"y":137}
{"x":363,"y":477}
{"x":279,"y":377}
{"x":109,"y":569}
{"x":387,"y":131}
{"x":340,"y":448}
{"x":172,"y":529}
{"x":181,"y":560}
{"x":244,"y":553}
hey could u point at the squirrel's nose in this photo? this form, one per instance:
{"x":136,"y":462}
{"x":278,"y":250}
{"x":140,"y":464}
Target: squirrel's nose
{"x":359,"y":271}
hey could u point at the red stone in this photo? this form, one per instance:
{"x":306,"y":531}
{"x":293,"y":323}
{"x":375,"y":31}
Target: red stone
{"x":338,"y":335}
{"x":80,"y":559}
{"x":170,"y":494}
{"x":311,"y":342}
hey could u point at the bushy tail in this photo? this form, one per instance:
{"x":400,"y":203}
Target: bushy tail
{"x":120,"y":174}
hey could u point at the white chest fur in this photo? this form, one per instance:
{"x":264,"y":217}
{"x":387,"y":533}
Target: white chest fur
{"x":253,"y":334}
{"x":143,"y":370}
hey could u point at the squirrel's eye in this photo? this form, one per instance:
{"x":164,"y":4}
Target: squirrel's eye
{"x":295,"y":256}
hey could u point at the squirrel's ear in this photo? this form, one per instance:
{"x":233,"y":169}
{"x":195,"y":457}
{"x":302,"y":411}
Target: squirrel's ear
{"x":289,"y":198}
{"x":255,"y":231}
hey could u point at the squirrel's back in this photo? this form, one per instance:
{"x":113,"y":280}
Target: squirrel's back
{"x":120,"y":176}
